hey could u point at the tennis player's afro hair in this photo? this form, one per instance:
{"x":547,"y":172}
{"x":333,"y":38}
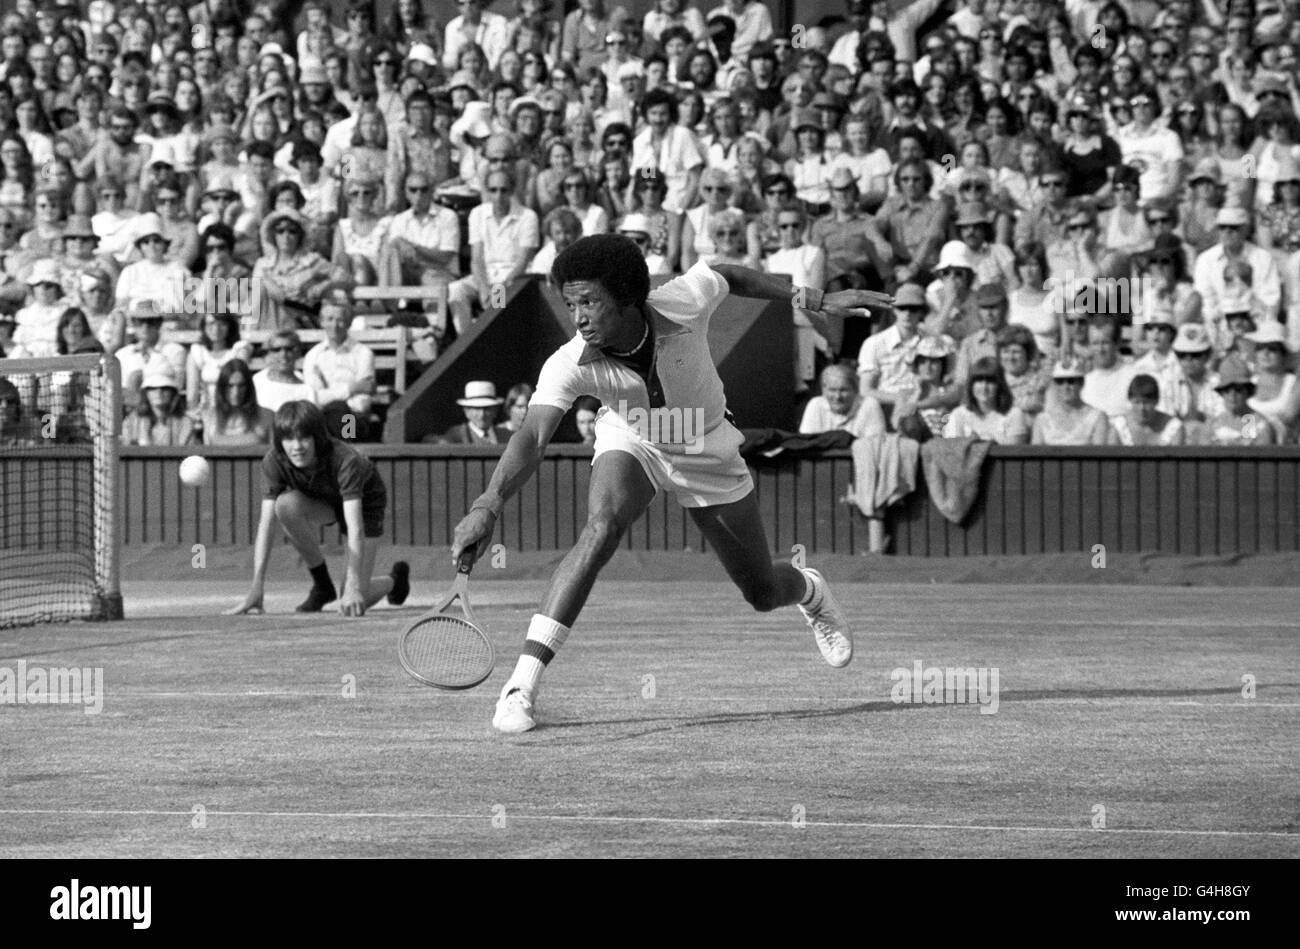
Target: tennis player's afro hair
{"x":612,"y":260}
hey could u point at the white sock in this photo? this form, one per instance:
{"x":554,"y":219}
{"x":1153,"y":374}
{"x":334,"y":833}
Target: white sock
{"x":545,"y":637}
{"x":812,"y":597}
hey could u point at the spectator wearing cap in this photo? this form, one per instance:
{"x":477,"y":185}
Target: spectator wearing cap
{"x":993,"y":262}
{"x":503,"y":237}
{"x":1123,"y":228}
{"x":1089,"y":154}
{"x":913,"y":222}
{"x":991,"y":309}
{"x":670,"y":148}
{"x":80,"y":255}
{"x":1160,"y":361}
{"x":1238,"y":425}
{"x":987,"y":411}
{"x":637,"y":228}
{"x":930,"y":392}
{"x":1201,"y":207}
{"x":1279,"y":222}
{"x":1276,"y":396}
{"x":809,"y":167}
{"x":153,"y":276}
{"x":857,"y":254}
{"x":107,"y":320}
{"x":1066,"y":419}
{"x":482,"y":406}
{"x":159,"y":418}
{"x":120,"y":157}
{"x":38,"y":321}
{"x":289,"y":278}
{"x":1145,"y":423}
{"x":1106,"y":385}
{"x":1195,"y":395}
{"x":423,"y":245}
{"x":951,"y":295}
{"x":148,"y":351}
{"x":885,"y":360}
{"x":1209,"y":275}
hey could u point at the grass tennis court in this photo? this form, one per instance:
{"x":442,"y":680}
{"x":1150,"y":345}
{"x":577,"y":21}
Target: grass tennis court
{"x":1125,"y":697}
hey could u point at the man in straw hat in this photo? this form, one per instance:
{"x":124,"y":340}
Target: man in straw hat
{"x":645,"y":355}
{"x":1195,"y":395}
{"x":1233,"y":224}
{"x":1238,"y":424}
{"x":148,"y":350}
{"x":482,"y":406}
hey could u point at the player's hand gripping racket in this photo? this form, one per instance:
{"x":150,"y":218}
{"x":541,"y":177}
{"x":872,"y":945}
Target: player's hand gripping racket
{"x":446,"y":651}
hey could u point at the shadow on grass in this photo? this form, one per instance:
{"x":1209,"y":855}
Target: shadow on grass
{"x":675,"y":722}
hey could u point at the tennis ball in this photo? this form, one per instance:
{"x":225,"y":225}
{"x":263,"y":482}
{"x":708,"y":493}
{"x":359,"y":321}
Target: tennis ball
{"x":195,"y":471}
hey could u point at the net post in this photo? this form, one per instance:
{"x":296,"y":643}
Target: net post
{"x":107,"y":521}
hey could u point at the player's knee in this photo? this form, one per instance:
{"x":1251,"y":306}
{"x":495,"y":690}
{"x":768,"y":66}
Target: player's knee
{"x":288,"y":507}
{"x":604,"y":530}
{"x":761,"y":596}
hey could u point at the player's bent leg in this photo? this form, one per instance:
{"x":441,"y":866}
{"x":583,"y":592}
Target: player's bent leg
{"x":620,"y":492}
{"x":736,"y":532}
{"x":302,"y":518}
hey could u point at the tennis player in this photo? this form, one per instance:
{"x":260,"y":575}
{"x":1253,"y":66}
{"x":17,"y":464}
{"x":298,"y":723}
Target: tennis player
{"x":645,"y":355}
{"x":313,"y":480}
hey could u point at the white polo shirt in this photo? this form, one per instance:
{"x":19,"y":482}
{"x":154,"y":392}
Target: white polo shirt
{"x":890,"y":355}
{"x":437,"y":230}
{"x":504,"y":240}
{"x":680,"y":313}
{"x":675,"y":157}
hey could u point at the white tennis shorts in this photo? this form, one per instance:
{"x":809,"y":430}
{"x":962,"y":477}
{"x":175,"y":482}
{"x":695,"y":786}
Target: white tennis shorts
{"x":710,"y":473}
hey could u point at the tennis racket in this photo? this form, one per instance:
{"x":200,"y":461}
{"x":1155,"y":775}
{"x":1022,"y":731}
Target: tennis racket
{"x":446,"y":651}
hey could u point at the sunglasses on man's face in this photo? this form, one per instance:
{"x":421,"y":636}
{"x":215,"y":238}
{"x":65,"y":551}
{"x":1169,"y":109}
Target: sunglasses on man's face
{"x":789,"y":226}
{"x":498,"y":190}
{"x":1193,"y":356}
{"x":1072,"y":381}
{"x":279,"y":349}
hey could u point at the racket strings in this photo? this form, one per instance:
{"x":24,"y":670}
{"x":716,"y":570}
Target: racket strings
{"x":448,"y":651}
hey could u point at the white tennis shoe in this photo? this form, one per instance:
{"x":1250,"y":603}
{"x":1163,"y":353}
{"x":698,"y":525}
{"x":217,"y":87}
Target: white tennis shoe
{"x":830,"y":628}
{"x":514,"y":714}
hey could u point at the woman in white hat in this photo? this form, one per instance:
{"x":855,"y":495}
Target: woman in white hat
{"x":153,"y":276}
{"x":290,"y":277}
{"x":1238,"y":425}
{"x":1066,"y":420}
{"x":638,"y":228}
{"x":931,"y":394}
{"x":38,"y":321}
{"x":158,"y":419}
{"x":1277,"y":397}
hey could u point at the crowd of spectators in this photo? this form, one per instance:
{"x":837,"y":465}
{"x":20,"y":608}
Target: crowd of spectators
{"x":1088,"y":211}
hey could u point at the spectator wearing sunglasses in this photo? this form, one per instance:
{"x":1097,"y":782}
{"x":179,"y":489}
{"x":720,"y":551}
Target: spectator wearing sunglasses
{"x":913,"y":223}
{"x":503,"y":237}
{"x":423,"y":245}
{"x":1265,"y":284}
{"x":1124,"y":228}
{"x":1089,"y":154}
{"x":289,"y":278}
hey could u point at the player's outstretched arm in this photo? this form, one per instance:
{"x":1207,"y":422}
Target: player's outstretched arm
{"x":261,"y":558}
{"x":522,"y":456}
{"x":744,"y":282}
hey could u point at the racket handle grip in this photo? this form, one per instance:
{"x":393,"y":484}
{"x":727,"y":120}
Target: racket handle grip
{"x":466,"y":563}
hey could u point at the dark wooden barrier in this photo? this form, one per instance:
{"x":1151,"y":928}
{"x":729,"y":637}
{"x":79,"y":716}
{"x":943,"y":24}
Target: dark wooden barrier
{"x":1034,"y":500}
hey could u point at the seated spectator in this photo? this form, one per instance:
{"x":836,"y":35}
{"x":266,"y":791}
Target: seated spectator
{"x":809,"y":167}
{"x":423,"y":245}
{"x":1211,"y":277}
{"x":38,"y":322}
{"x":159,"y":418}
{"x":233,"y":416}
{"x":503,"y":237}
{"x":636,"y":227}
{"x":1080,"y":255}
{"x":595,"y":217}
{"x":517,"y":405}
{"x":839,"y":407}
{"x":218,"y":344}
{"x":1277,"y":396}
{"x":1106,"y":385}
{"x":885,"y":360}
{"x":805,"y":264}
{"x":856,"y":252}
{"x":1018,"y":356}
{"x":1279,"y":223}
{"x":1195,"y":398}
{"x":44,"y":239}
{"x":359,"y":237}
{"x":177,"y":226}
{"x":1168,"y":295}
{"x":1160,"y":362}
{"x":1143,"y":423}
{"x":665,"y":226}
{"x":913,"y":222}
{"x":16,"y":429}
{"x":289,"y":278}
{"x":1237,"y":425}
{"x":951,"y":297}
{"x":80,"y":256}
{"x":993,"y":263}
{"x":320,"y":194}
{"x":585,"y":410}
{"x":1032,"y":304}
{"x":548,"y":186}
{"x":931,"y":392}
{"x":991,"y":308}
{"x":147,"y":351}
{"x":341,"y":371}
{"x":1123,"y":228}
{"x":670,"y":148}
{"x":987,"y":412}
{"x":867,"y":167}
{"x":562,"y":228}
{"x":481,"y":406}
{"x":729,"y":234}
{"x":153,"y":277}
{"x":1067,"y":419}
{"x":1154,"y":150}
{"x":279,"y":382}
